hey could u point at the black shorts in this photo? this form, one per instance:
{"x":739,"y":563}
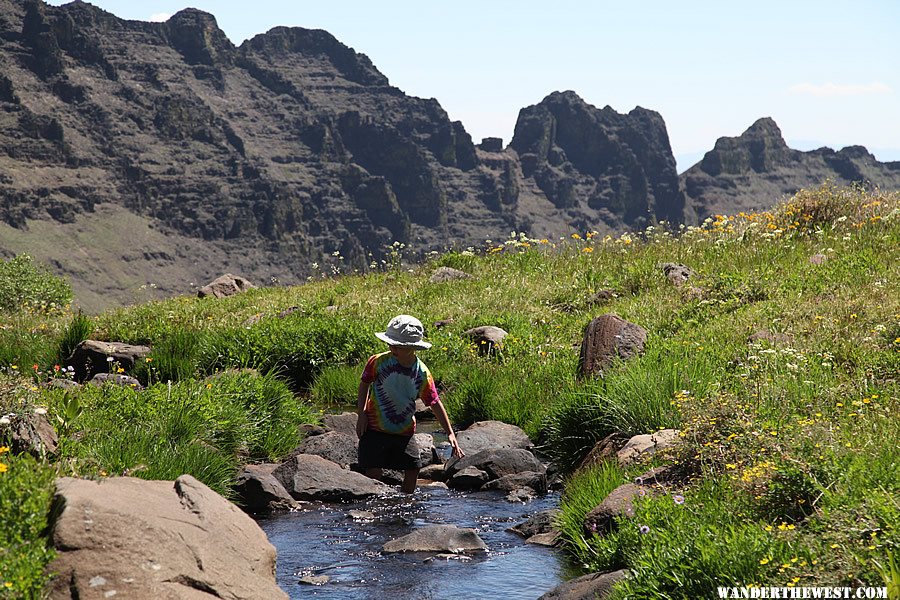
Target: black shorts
{"x":379,"y":450}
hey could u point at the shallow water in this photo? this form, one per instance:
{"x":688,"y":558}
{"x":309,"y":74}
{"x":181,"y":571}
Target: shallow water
{"x":325,"y":540}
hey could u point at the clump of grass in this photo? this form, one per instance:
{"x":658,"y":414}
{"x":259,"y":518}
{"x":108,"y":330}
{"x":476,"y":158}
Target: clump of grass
{"x":581,"y":493}
{"x":336,"y":386}
{"x":173,"y":357}
{"x":78,"y":330}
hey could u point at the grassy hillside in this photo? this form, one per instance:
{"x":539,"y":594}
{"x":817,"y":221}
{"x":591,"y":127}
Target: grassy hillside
{"x":788,"y":436}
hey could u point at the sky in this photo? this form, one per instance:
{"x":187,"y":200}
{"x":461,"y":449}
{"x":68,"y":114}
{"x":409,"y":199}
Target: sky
{"x":827,"y":71}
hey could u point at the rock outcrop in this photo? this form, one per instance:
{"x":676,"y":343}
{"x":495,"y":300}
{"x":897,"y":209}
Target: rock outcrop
{"x":752,"y":171}
{"x":600,"y":165}
{"x":132,"y":538}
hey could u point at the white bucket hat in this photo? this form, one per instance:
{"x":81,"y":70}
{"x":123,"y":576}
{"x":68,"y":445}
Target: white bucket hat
{"x":404,"y":330}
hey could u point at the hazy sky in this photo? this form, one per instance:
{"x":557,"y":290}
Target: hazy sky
{"x":827,"y":71}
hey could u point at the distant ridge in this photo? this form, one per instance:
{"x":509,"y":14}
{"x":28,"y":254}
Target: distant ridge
{"x":135,"y":153}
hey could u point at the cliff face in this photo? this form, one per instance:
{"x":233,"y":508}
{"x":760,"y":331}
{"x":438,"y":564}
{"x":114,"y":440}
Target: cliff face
{"x":597,"y":164}
{"x":287,"y":149}
{"x":752,"y":171}
{"x":134,"y":153}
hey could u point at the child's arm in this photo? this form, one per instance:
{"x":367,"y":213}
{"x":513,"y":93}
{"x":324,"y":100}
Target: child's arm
{"x":438,"y":409}
{"x":362,"y":421}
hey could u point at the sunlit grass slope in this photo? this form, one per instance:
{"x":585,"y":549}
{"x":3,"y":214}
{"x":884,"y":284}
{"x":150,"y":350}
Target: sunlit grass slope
{"x":778,"y":361}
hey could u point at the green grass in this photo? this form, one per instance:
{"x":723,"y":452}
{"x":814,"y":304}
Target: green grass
{"x":26,"y":489}
{"x":790,"y":439}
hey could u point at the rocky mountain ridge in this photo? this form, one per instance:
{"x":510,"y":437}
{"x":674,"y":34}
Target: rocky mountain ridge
{"x":135,"y":152}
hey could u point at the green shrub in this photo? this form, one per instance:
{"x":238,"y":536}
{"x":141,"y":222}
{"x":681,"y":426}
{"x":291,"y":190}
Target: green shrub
{"x":24,"y":284}
{"x":26,"y":491}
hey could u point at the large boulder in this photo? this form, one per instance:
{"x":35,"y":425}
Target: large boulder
{"x":438,"y":538}
{"x":492,"y":434}
{"x":337,"y":447}
{"x":311,"y":477}
{"x":259,"y":491}
{"x":606,"y":339}
{"x":91,"y":357}
{"x":498,"y":463}
{"x":344,"y":422}
{"x":641,"y":447}
{"x":593,"y":586}
{"x":224,"y":286}
{"x":129,"y":538}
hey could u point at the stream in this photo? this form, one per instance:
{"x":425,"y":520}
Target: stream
{"x":344,"y":542}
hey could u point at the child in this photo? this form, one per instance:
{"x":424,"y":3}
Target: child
{"x":386,"y":421}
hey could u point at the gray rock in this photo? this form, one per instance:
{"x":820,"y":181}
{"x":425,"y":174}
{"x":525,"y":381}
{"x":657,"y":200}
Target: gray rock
{"x":619,"y":503}
{"x":132,"y":538}
{"x":342,"y":423}
{"x":91,"y":357}
{"x":551,"y":538}
{"x":593,"y":586}
{"x":425,"y":443}
{"x":469,"y":478}
{"x":542,"y":522}
{"x":315,"y":579}
{"x":311,"y":477}
{"x":523,"y":495}
{"x":606,"y":339}
{"x":433,"y":472}
{"x":498,"y":463}
{"x":492,"y":434}
{"x":30,"y":433}
{"x":116,"y":379}
{"x":224,"y":286}
{"x":487,"y":338}
{"x":537,"y":482}
{"x":818,"y":259}
{"x":438,"y":538}
{"x":641,"y":447}
{"x":337,"y":447}
{"x":260,"y":491}
{"x":677,"y":274}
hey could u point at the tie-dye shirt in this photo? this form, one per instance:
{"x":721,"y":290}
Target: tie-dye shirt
{"x":394,"y":389}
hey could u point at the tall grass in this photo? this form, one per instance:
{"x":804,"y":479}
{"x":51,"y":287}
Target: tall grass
{"x":78,"y":330}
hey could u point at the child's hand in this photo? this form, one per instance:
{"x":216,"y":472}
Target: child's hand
{"x":362,"y":423}
{"x":457,"y":451}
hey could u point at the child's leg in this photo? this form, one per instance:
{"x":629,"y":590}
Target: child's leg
{"x":409,"y":481}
